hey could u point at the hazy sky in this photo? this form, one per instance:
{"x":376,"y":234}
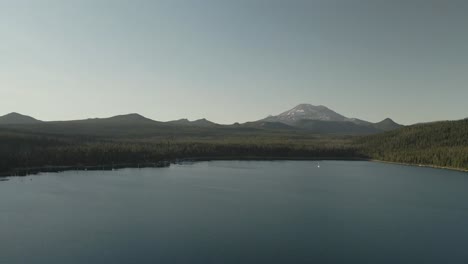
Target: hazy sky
{"x":234,"y":60}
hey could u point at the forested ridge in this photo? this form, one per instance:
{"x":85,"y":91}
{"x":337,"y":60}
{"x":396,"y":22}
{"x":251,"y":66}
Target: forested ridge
{"x":442,"y":144}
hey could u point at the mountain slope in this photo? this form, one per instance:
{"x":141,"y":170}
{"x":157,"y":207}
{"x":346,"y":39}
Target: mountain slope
{"x":268,"y":125}
{"x":336,"y":127}
{"x":17,"y":119}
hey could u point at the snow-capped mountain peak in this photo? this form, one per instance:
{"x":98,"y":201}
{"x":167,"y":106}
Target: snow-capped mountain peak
{"x":307,"y":112}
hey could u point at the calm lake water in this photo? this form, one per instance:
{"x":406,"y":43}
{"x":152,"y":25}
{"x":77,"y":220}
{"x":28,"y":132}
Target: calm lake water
{"x":238,"y":212}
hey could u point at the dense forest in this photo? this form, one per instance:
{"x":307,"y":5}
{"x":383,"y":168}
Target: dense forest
{"x":442,"y":144}
{"x":21,"y":152}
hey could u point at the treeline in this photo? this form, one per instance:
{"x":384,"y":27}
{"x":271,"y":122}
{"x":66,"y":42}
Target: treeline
{"x":30,"y":151}
{"x":443,"y":144}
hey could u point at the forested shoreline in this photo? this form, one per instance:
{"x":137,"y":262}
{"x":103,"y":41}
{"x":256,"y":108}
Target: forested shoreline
{"x":440,"y":144}
{"x":40,"y":152}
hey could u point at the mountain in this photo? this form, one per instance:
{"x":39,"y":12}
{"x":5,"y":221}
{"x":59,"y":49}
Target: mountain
{"x":322,"y":120}
{"x":17,"y":119}
{"x":309,"y":112}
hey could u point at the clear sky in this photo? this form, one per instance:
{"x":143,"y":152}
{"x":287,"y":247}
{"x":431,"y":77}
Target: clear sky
{"x":236,"y":60}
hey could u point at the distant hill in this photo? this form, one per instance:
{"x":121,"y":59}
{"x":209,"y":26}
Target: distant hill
{"x":137,"y":126}
{"x":121,"y":125}
{"x":197,"y":123}
{"x":180,"y":122}
{"x":304,"y":118}
{"x":387,"y":124}
{"x":322,"y":120}
{"x":17,"y":119}
{"x":119,"y":119}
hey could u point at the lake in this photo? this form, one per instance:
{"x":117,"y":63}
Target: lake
{"x":237,"y":212}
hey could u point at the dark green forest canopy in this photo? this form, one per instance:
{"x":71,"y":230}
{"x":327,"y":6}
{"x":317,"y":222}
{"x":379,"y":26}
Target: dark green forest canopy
{"x":440,"y":144}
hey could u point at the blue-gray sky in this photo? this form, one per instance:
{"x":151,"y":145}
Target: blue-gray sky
{"x":234,"y":60}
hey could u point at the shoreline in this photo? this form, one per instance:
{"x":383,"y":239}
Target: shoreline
{"x":21,"y":172}
{"x":420,"y":165}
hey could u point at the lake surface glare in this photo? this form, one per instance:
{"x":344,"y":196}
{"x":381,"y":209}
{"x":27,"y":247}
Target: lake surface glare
{"x":237,"y":212}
